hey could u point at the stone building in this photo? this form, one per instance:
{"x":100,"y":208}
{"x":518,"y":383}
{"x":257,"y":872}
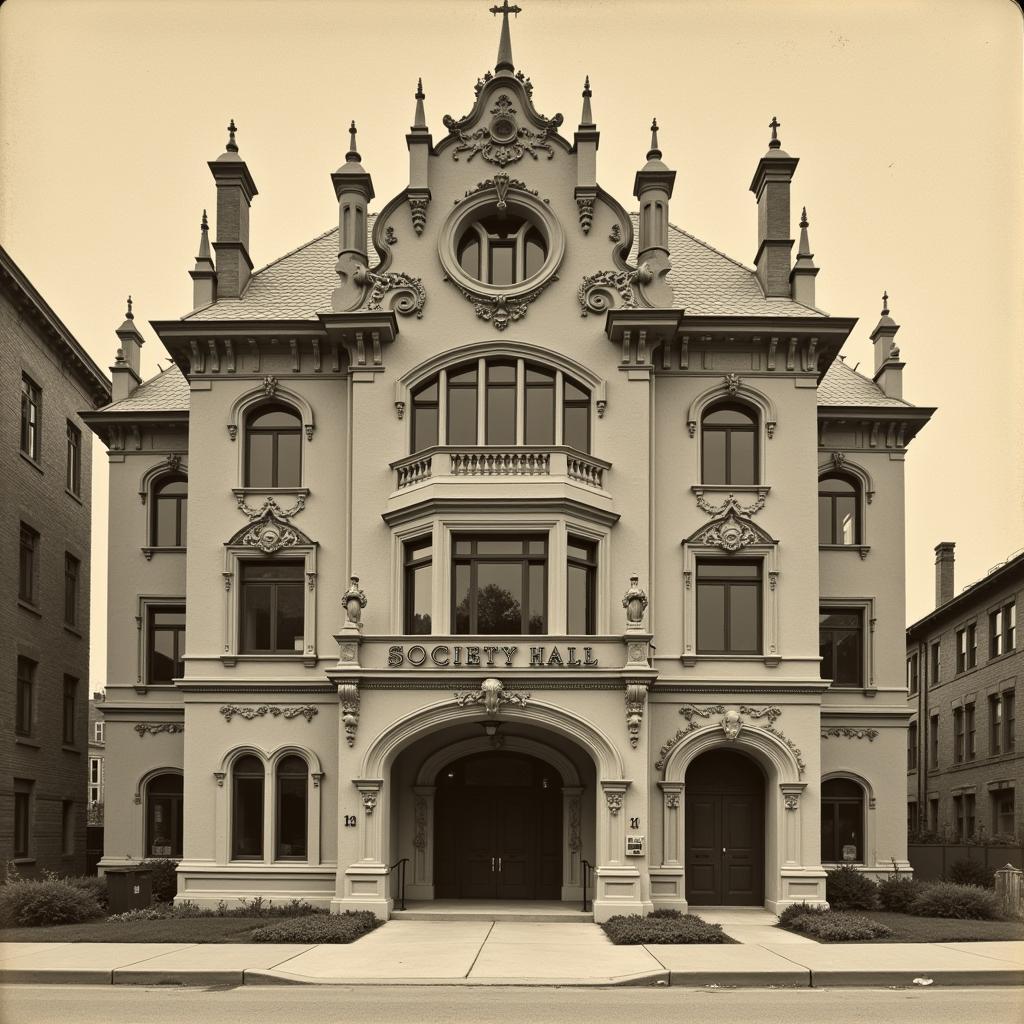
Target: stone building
{"x":46,"y":501}
{"x":479,"y":533}
{"x":97,"y":747}
{"x":963,"y":661}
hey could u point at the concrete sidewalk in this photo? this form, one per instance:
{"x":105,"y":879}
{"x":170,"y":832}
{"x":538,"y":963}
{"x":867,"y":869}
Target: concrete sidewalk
{"x":515,"y":953}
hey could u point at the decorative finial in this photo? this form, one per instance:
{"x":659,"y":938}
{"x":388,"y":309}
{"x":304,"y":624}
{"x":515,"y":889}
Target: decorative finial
{"x":885,"y":303}
{"x":505,"y":41}
{"x":587,"y":117}
{"x":129,"y":315}
{"x":804,"y":222}
{"x":775,"y":124}
{"x":232,"y":146}
{"x":654,"y":153}
{"x":419,"y":89}
{"x":352,"y":156}
{"x":419,"y":121}
{"x":586,"y":87}
{"x":204,"y":239}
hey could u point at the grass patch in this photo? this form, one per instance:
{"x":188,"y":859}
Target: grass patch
{"x":168,"y":929}
{"x":910,"y":928}
{"x":664,"y":928}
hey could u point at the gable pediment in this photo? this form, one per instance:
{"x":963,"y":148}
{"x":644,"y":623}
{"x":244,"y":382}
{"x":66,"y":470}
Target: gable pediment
{"x":730,"y":533}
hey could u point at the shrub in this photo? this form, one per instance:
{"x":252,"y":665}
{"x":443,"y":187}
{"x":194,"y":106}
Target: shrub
{"x":667,"y":927}
{"x":666,"y":912}
{"x":256,"y":907}
{"x":36,"y":902}
{"x":897,"y":892}
{"x":971,"y":872}
{"x":795,"y":910}
{"x":839,"y":926}
{"x":847,"y":889}
{"x":163,"y":873}
{"x":962,"y":902}
{"x":346,"y":927}
{"x":95,"y":887}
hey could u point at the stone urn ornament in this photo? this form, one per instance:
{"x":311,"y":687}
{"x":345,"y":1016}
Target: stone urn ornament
{"x":635,"y":602}
{"x":354,"y":600}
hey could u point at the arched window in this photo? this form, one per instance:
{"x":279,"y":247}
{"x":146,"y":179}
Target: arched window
{"x":838,"y":509}
{"x":501,"y":250}
{"x":164,"y":802}
{"x":729,"y":444}
{"x":842,"y":822}
{"x":247,"y":809}
{"x":168,"y":516}
{"x":273,"y":447}
{"x":292,"y":799}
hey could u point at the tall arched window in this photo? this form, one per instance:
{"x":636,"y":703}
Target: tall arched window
{"x":164,"y":804}
{"x":838,"y":509}
{"x":292,"y":800}
{"x":729,"y":452}
{"x":842,"y":822}
{"x":273,"y":447}
{"x":169,"y":512}
{"x":247,"y":778}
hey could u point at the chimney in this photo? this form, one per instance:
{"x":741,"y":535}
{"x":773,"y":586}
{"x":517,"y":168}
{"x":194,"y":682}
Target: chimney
{"x":421,"y":146}
{"x":125,"y":372}
{"x":653,"y":187}
{"x":770,"y":185}
{"x":944,"y":555}
{"x":354,"y":189}
{"x":203,"y":274}
{"x":235,"y":191}
{"x":888,"y":367}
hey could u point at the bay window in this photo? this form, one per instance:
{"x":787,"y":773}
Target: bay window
{"x":499,"y":585}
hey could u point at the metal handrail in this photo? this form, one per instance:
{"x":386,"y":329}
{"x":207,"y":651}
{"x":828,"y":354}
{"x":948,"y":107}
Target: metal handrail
{"x":587,"y":870}
{"x":400,"y":864}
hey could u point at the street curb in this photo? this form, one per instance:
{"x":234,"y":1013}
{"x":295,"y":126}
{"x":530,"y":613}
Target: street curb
{"x":646,"y":979}
{"x":56,"y":976}
{"x":906,"y":979}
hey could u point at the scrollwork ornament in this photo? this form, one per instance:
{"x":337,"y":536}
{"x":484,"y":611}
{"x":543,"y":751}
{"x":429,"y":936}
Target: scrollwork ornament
{"x":849,"y":732}
{"x":730,"y":504}
{"x":792,"y":801}
{"x":418,"y":212}
{"x":730,"y":533}
{"x":608,"y":289}
{"x":271,"y":507}
{"x":253,"y":711}
{"x":732,"y":383}
{"x":502,"y":140}
{"x":636,"y":701}
{"x":614,"y":801}
{"x":500,"y":183}
{"x":672,"y":801}
{"x":492,"y":695}
{"x":409,"y":294}
{"x":155,"y":728}
{"x":420,"y":820}
{"x":501,"y":310}
{"x":369,"y":802}
{"x":270,"y":386}
{"x":575,"y":842}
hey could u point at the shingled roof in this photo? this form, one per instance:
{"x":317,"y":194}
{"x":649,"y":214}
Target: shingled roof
{"x":166,"y":392}
{"x":842,"y":385}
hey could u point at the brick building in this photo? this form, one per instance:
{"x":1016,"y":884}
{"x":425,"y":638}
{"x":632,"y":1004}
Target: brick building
{"x":964,"y":766}
{"x":46,"y":379}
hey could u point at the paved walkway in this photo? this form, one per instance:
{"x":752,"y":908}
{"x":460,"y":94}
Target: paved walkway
{"x":516,"y":953}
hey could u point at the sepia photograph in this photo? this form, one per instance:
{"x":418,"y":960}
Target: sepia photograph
{"x":520,"y":511}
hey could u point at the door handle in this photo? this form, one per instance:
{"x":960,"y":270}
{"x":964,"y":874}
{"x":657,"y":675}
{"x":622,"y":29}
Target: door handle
{"x":492,"y":864}
{"x":499,"y":864}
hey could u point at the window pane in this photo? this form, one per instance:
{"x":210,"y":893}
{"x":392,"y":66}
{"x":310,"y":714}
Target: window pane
{"x":713,"y":457}
{"x":576,"y":427}
{"x":501,"y":373}
{"x":256,"y":617}
{"x":290,"y":616}
{"x":848,"y":829}
{"x":501,"y":415}
{"x":499,"y":597}
{"x":847,"y":665}
{"x":272,"y":570}
{"x":578,"y":612}
{"x":289,"y":460}
{"x":499,"y":546}
{"x":165,"y":534}
{"x":259,"y":467}
{"x":536,"y":576}
{"x":744,"y":621}
{"x":420,"y":584}
{"x":535,"y":252}
{"x":503,"y":263}
{"x":824,"y":519}
{"x":162,"y":664}
{"x":462,"y":415}
{"x":846,"y":520}
{"x":728,"y":416}
{"x":710,"y":617}
{"x":469,"y":254}
{"x":729,"y":570}
{"x":540,"y":413}
{"x":424,"y":427}
{"x":462,"y":599}
{"x":742,"y":459}
{"x":291,"y":815}
{"x":247,"y":817}
{"x":580,"y":549}
{"x":169,"y":617}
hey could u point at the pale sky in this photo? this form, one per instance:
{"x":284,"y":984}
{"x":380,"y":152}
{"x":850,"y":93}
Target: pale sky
{"x":906,"y":116}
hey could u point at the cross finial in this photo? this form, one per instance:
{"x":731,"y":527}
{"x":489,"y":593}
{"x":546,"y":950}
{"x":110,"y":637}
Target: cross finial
{"x":232,"y":146}
{"x":885,"y":303}
{"x":505,"y":40}
{"x":129,"y":315}
{"x":775,"y":124}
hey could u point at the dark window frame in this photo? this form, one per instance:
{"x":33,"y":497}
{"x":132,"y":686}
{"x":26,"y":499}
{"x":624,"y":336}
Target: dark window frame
{"x":411,"y":565}
{"x":279,"y":811}
{"x":238,"y":777}
{"x":171,"y":505}
{"x":487,"y":242}
{"x":830,"y":806}
{"x":912,"y":746}
{"x":70,"y":711}
{"x":23,"y":809}
{"x":831,"y":498}
{"x":180,"y":639}
{"x":246,"y":587}
{"x":275,"y":433}
{"x":72,"y":590}
{"x":1002,"y":629}
{"x":970,"y":732}
{"x":913,"y":676}
{"x":935,"y":664}
{"x":24,"y":712}
{"x":421,"y":405}
{"x":933,"y":741}
{"x":588,"y":563}
{"x":28,"y":565}
{"x":463,"y":385}
{"x":494,"y":388}
{"x":73,"y":476}
{"x":729,"y":471}
{"x":729,"y":583}
{"x":174,"y":798}
{"x":31,"y":419}
{"x":836,"y":633}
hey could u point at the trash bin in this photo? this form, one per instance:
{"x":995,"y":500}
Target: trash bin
{"x":129,"y":888}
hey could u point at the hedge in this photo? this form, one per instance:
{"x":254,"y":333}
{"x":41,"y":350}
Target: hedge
{"x":668,"y":927}
{"x":36,"y":902}
{"x":317,"y":928}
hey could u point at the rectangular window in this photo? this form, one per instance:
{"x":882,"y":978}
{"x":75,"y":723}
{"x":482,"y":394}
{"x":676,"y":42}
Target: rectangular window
{"x":912,"y":747}
{"x":24,"y":703}
{"x":419,"y":585}
{"x":424,"y":417}
{"x":963,"y":812}
{"x":912,"y":674}
{"x":71,"y":590}
{"x":576,"y":417}
{"x":934,"y":668}
{"x":166,"y":644}
{"x":970,"y":736}
{"x":95,"y":779}
{"x":933,"y":815}
{"x":501,"y":403}
{"x":933,"y":742}
{"x":958,"y":735}
{"x":67,"y":818}
{"x":995,"y":724}
{"x":972,"y":645}
{"x":97,"y":731}
{"x":1002,"y":629}
{"x":73,"y":481}
{"x":841,"y":645}
{"x":273,"y":607}
{"x":911,"y":817}
{"x":462,"y":406}
{"x":22,"y":817}
{"x":1003,"y":812}
{"x":499,"y":585}
{"x":28,"y":565}
{"x":70,"y":710}
{"x":1009,"y":721}
{"x":961,"y":650}
{"x":31,"y":417}
{"x":539,"y":396}
{"x":728,"y":607}
{"x":581,"y":586}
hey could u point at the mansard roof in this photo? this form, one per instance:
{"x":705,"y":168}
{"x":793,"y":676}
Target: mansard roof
{"x":843,"y":386}
{"x":166,"y":392}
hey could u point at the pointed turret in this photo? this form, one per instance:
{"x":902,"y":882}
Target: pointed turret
{"x":354,"y":190}
{"x":235,"y":192}
{"x":585,"y":142}
{"x":770,"y":185}
{"x":421,"y":146}
{"x":504,"y":64}
{"x":888,"y":366}
{"x":203,"y":274}
{"x":801,"y":277}
{"x":653,"y":188}
{"x":125,"y":373}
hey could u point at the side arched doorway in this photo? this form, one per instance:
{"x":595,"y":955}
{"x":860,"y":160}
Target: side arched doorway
{"x":725,"y":819}
{"x":498,"y":828}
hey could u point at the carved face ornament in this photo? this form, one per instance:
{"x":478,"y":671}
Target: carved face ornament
{"x":731,"y":724}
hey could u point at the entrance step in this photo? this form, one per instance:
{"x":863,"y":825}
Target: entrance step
{"x":548,"y":911}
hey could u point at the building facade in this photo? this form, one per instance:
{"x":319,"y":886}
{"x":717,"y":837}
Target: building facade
{"x":479,"y":533}
{"x":963,"y":662}
{"x":97,"y":746}
{"x":46,"y":467}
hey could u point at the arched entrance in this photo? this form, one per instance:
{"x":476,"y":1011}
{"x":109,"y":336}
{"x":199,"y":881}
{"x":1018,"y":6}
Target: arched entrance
{"x":725,"y":825}
{"x":498,"y":828}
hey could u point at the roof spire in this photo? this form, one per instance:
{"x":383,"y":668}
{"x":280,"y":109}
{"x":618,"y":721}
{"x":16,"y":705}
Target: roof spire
{"x":775,"y":124}
{"x":352,"y":156}
{"x":587,"y":117}
{"x":204,"y":239}
{"x":885,"y":303}
{"x":654,"y":153}
{"x":419,"y":122}
{"x":505,"y":41}
{"x":129,"y":315}
{"x":232,"y":146}
{"x":803,"y":251}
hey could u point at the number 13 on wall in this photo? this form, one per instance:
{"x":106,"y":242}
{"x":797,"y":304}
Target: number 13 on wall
{"x":350,"y":821}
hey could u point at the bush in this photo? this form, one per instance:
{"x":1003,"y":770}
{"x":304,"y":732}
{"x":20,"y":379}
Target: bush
{"x":897,"y":892}
{"x":163,"y":873}
{"x":37,"y":902}
{"x":962,"y":902}
{"x":839,"y":926}
{"x":336,"y":928}
{"x":666,"y":912}
{"x":95,"y":887}
{"x":847,"y":889}
{"x":667,"y":927}
{"x":795,"y":910}
{"x":256,"y":907}
{"x":971,"y":872}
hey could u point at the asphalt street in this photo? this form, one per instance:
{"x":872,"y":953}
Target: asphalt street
{"x":107,"y":1004}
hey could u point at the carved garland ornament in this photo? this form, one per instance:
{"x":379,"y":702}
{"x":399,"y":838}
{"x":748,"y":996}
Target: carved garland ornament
{"x":420,"y":818}
{"x":849,"y":733}
{"x":502,"y":140}
{"x":730,"y":504}
{"x":585,"y":208}
{"x":251,"y":711}
{"x":501,"y":310}
{"x":155,"y":728}
{"x":410,"y":296}
{"x":597,"y":292}
{"x":270,"y":506}
{"x":492,"y":695}
{"x":270,"y":534}
{"x":501,"y":183}
{"x":348,"y":694}
{"x":418,"y":212}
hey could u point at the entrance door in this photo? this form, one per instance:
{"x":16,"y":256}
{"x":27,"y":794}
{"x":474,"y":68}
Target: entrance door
{"x":498,"y":829}
{"x":724,"y":830}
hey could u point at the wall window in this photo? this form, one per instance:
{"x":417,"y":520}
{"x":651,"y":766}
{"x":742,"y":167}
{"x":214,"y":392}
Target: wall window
{"x":911,"y":817}
{"x":424,"y":416}
{"x":164,"y":816}
{"x":273,"y":447}
{"x":838,"y":510}
{"x":970,"y":733}
{"x":500,"y":405}
{"x":70,"y":710}
{"x":247,"y":780}
{"x":842,"y":822}
{"x":841,"y":645}
{"x":166,"y":644}
{"x":933,"y":814}
{"x":73,"y":480}
{"x":31,"y":417}
{"x":292,"y":811}
{"x":912,"y":747}
{"x":1009,"y":740}
{"x":728,"y":607}
{"x":72,"y":570}
{"x":1002,"y":630}
{"x":935,"y":664}
{"x":95,"y":780}
{"x":499,"y":585}
{"x":22,"y":817}
{"x":67,"y":830}
{"x":958,"y":735}
{"x":28,"y":565}
{"x":273,"y":607}
{"x":501,"y":250}
{"x":575,"y":416}
{"x":97,"y":731}
{"x":462,"y":405}
{"x":729,"y":444}
{"x":963,"y":815}
{"x":933,"y":742}
{"x":1003,"y":812}
{"x":581,"y":586}
{"x":419,"y":585}
{"x":25,"y":698}
{"x":912,"y":674}
{"x":169,"y":512}
{"x":966,"y":648}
